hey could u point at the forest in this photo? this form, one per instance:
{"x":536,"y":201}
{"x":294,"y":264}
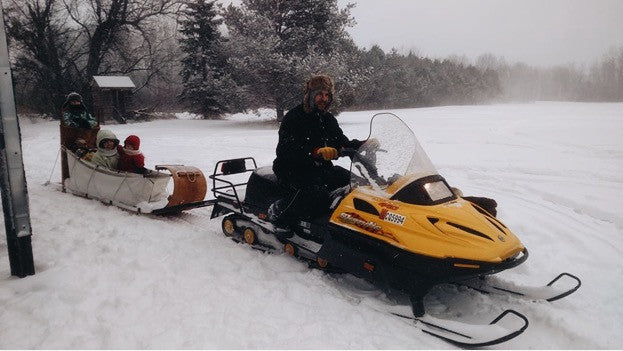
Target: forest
{"x":200,"y":56}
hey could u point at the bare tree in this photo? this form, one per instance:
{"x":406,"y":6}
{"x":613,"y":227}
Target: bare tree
{"x":59,"y":45}
{"x":118,"y":35}
{"x":45,"y":52}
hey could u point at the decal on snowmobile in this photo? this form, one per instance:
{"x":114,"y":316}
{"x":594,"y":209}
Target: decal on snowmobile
{"x":356,"y":220}
{"x":392,"y":217}
{"x":390,"y":206}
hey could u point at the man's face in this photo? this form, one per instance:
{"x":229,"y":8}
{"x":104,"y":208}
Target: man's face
{"x":74,"y":102}
{"x":321,"y":100}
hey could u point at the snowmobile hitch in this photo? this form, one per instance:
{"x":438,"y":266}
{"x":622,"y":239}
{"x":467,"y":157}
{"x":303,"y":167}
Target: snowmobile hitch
{"x":182,"y":207}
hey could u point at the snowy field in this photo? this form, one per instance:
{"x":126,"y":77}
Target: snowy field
{"x":109,"y":279}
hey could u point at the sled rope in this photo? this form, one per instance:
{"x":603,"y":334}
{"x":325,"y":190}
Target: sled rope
{"x":53,"y":167}
{"x":90,"y":178}
{"x":119,"y":188}
{"x":151,"y":192}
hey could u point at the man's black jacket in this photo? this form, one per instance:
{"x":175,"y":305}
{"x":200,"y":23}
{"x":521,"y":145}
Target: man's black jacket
{"x":299,"y":135}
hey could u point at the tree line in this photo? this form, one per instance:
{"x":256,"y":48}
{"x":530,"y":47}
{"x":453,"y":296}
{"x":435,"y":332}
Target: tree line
{"x":600,"y":82}
{"x":199,"y":56}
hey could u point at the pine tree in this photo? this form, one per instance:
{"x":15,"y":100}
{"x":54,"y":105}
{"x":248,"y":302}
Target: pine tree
{"x":277,"y":44}
{"x":208,"y":87}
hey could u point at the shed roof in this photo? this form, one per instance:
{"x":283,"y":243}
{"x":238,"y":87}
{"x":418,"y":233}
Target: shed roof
{"x":119,"y":82}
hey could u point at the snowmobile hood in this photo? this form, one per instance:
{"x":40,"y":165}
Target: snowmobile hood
{"x":398,"y":197}
{"x":452,"y":229}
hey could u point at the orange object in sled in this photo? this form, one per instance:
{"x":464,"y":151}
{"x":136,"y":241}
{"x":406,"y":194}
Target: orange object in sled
{"x":189,"y":184}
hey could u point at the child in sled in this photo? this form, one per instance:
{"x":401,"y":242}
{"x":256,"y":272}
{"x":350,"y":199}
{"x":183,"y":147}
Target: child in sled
{"x":131,"y":158}
{"x":106,"y":154}
{"x":82,"y":150}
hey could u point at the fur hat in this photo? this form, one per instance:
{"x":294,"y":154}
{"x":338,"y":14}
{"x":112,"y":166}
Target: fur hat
{"x":73,"y":96}
{"x":104,"y":134}
{"x":133,"y":140}
{"x":313,"y":86}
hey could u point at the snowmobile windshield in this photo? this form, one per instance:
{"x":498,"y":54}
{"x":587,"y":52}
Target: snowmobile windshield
{"x":390,"y":152}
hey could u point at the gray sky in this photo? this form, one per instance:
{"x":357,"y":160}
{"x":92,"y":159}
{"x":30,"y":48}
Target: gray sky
{"x":537,"y":32}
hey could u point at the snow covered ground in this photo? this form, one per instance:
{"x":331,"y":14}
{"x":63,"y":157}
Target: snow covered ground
{"x":106,"y":278}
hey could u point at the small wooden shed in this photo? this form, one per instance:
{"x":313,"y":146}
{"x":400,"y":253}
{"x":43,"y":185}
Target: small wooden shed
{"x":112,"y":97}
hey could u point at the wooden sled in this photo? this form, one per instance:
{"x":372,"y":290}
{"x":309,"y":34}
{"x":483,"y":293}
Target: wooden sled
{"x":142,"y":193}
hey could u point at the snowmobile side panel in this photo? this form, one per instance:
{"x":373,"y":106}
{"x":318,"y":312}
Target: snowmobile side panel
{"x":393,"y":268}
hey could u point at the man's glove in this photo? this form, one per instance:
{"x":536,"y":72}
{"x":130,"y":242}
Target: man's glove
{"x":326,"y":153}
{"x":457,"y":191}
{"x":373,"y":143}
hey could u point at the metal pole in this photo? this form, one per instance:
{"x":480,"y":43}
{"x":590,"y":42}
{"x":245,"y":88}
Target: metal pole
{"x":12,"y":177}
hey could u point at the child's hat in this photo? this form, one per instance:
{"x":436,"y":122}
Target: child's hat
{"x":133,"y":140}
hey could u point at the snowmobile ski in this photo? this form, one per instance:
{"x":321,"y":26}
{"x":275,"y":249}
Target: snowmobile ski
{"x":553,"y":291}
{"x":471,"y":335}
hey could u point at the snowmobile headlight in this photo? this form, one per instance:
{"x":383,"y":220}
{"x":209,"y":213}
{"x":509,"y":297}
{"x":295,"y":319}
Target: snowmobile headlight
{"x":437,"y":190}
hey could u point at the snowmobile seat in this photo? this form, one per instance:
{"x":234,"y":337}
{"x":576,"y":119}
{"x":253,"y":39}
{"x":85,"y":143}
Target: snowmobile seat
{"x":263,"y":188}
{"x":234,"y":166}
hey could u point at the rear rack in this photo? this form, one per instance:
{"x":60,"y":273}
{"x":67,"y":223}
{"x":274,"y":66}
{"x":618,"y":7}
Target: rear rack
{"x":226,"y":168}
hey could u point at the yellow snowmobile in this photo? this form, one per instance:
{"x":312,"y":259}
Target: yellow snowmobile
{"x":398,"y":224}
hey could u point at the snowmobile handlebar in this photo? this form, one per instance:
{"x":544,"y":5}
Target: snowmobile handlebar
{"x":350,"y":152}
{"x":368,"y":162}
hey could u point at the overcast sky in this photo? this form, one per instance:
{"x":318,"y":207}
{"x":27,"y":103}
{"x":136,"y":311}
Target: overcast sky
{"x":537,"y":32}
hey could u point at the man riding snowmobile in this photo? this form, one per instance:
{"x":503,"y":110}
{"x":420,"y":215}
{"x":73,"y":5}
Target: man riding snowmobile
{"x":309,"y":138}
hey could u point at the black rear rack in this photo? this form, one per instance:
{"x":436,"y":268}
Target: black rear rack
{"x":229,"y":167}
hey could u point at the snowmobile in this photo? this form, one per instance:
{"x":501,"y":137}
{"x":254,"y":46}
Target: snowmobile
{"x":398,"y":225}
